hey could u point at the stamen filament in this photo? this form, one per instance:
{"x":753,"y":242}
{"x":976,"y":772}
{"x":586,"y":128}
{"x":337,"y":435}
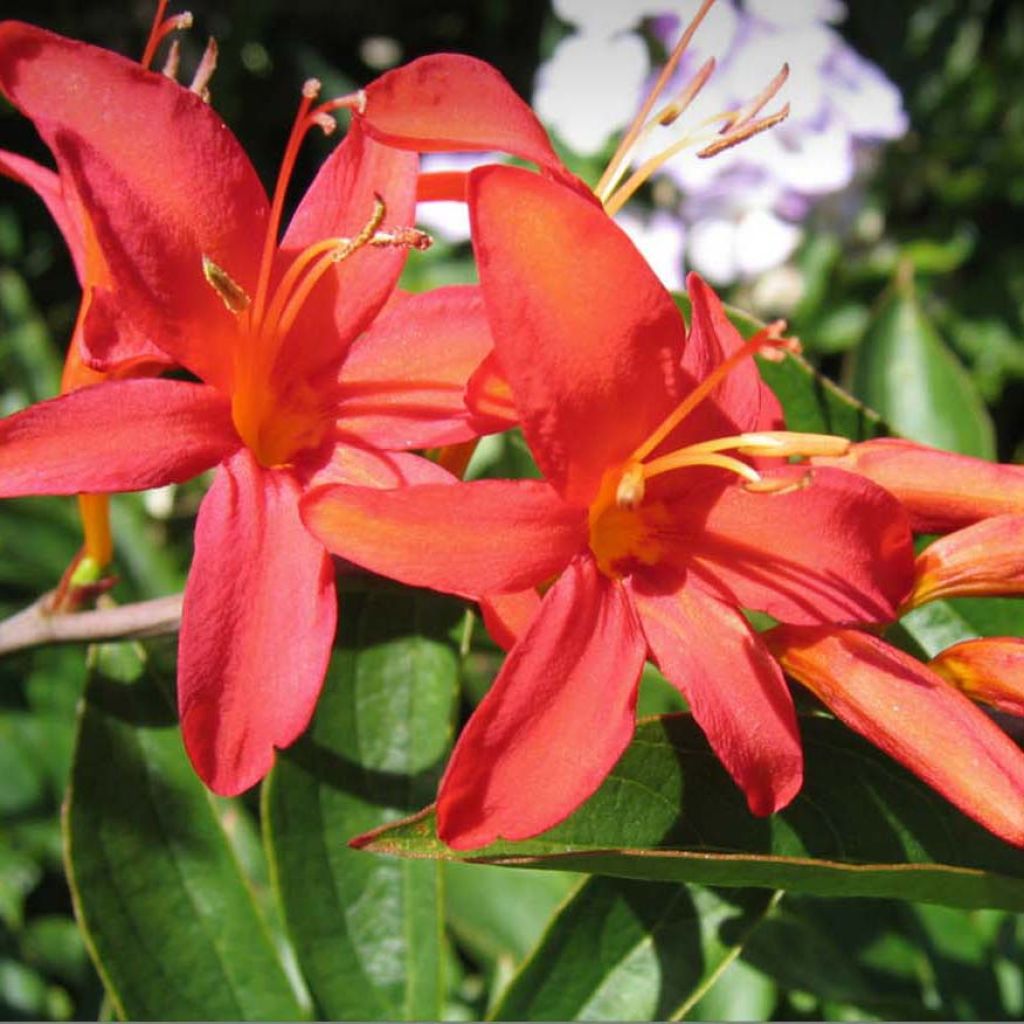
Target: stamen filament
{"x":767,"y":336}
{"x":757,"y":104}
{"x":687,"y":457}
{"x":310,"y":90}
{"x":334,"y":254}
{"x":204,"y":71}
{"x":671,"y":111}
{"x":613,"y":172}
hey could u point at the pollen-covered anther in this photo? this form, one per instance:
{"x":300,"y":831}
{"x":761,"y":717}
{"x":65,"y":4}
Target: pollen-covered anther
{"x":233,"y":295}
{"x":630,"y":491}
{"x":782,"y":444}
{"x":408,"y":238}
{"x":769,"y":486}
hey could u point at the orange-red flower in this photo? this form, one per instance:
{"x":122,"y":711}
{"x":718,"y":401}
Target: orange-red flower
{"x":658,"y":521}
{"x":309,"y":364}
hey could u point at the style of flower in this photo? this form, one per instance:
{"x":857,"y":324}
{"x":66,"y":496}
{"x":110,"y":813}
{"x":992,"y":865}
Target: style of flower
{"x":310,"y":365}
{"x":647,"y":535}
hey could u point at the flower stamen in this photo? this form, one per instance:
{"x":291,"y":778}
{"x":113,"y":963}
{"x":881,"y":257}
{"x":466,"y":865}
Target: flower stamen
{"x":161,"y":28}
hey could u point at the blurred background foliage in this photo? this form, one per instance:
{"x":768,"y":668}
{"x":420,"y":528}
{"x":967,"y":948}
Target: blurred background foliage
{"x":914,"y":299}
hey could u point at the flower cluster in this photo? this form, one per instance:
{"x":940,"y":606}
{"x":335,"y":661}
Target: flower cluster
{"x":672,"y":501}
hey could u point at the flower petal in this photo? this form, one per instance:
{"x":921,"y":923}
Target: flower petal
{"x":506,"y":616}
{"x":164,"y":182}
{"x":587,"y":336}
{"x":735,"y":690}
{"x":448,"y":101}
{"x":339,"y":204}
{"x":557,"y":718}
{"x":941,"y":491}
{"x":257,"y":626}
{"x":404,"y":381}
{"x":990,"y":670}
{"x":116,"y":436}
{"x":986,"y":558}
{"x":742,"y":401}
{"x":833,"y":548}
{"x":472,"y":539}
{"x":915,"y":717}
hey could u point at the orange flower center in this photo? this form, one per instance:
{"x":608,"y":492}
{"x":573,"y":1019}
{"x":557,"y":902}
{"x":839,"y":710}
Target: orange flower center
{"x":628,"y":530}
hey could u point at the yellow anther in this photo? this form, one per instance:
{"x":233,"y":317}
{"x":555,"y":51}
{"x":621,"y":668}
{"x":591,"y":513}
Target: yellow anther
{"x":233,"y":295}
{"x":630,"y":492}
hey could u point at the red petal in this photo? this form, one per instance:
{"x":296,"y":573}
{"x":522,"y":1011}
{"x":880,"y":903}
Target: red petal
{"x":117,"y":436}
{"x":489,"y":397}
{"x":915,"y":717}
{"x":368,"y":467}
{"x":403,"y":384}
{"x":339,"y":204}
{"x":984,"y":559}
{"x":554,"y":723}
{"x":734,"y":688}
{"x":162,"y":178}
{"x":990,"y":670}
{"x":589,"y":339}
{"x":834,"y":549}
{"x":256,"y":628}
{"x":442,"y":186}
{"x":742,"y":401}
{"x":452,"y":102}
{"x":473,"y":539}
{"x":942,"y":491}
{"x":506,"y":616}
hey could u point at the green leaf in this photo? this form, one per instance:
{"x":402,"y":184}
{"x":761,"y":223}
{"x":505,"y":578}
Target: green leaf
{"x":166,"y":911}
{"x":861,"y":826}
{"x":626,"y":950}
{"x":368,"y":931}
{"x":810,"y":401}
{"x":905,"y":371}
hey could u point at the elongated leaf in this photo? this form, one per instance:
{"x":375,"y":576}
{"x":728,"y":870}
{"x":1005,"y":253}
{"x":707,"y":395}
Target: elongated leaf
{"x":810,"y":401}
{"x":627,"y":950}
{"x":166,"y":910}
{"x":904,"y":370}
{"x":368,"y":931}
{"x":861,"y":826}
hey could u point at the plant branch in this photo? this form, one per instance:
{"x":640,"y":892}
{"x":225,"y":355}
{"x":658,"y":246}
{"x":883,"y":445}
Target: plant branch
{"x":36,"y":625}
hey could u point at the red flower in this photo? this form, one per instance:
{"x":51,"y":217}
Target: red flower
{"x":650,"y":538}
{"x":309,"y":363}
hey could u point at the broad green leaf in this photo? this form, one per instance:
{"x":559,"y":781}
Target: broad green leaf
{"x":905,"y":371}
{"x":810,"y":401}
{"x":501,"y":914}
{"x":368,"y":931}
{"x":940,"y":624}
{"x":627,"y":950}
{"x":166,"y":911}
{"x":740,"y":992}
{"x":861,"y":826}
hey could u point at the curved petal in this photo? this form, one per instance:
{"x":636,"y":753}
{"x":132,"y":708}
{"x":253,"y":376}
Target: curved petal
{"x":984,"y":559}
{"x":942,"y":491}
{"x":588,"y":338}
{"x":256,"y":628}
{"x":403,"y":384}
{"x":990,"y":670}
{"x":489,"y":398}
{"x":915,"y":717}
{"x":350,"y":462}
{"x":735,"y":690}
{"x":451,"y":102}
{"x":339,"y":204}
{"x":163,"y":180}
{"x":115,"y":436}
{"x":557,"y":718}
{"x":742,"y":401}
{"x":47,"y":185}
{"x":831,"y":548}
{"x":474,"y":539}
